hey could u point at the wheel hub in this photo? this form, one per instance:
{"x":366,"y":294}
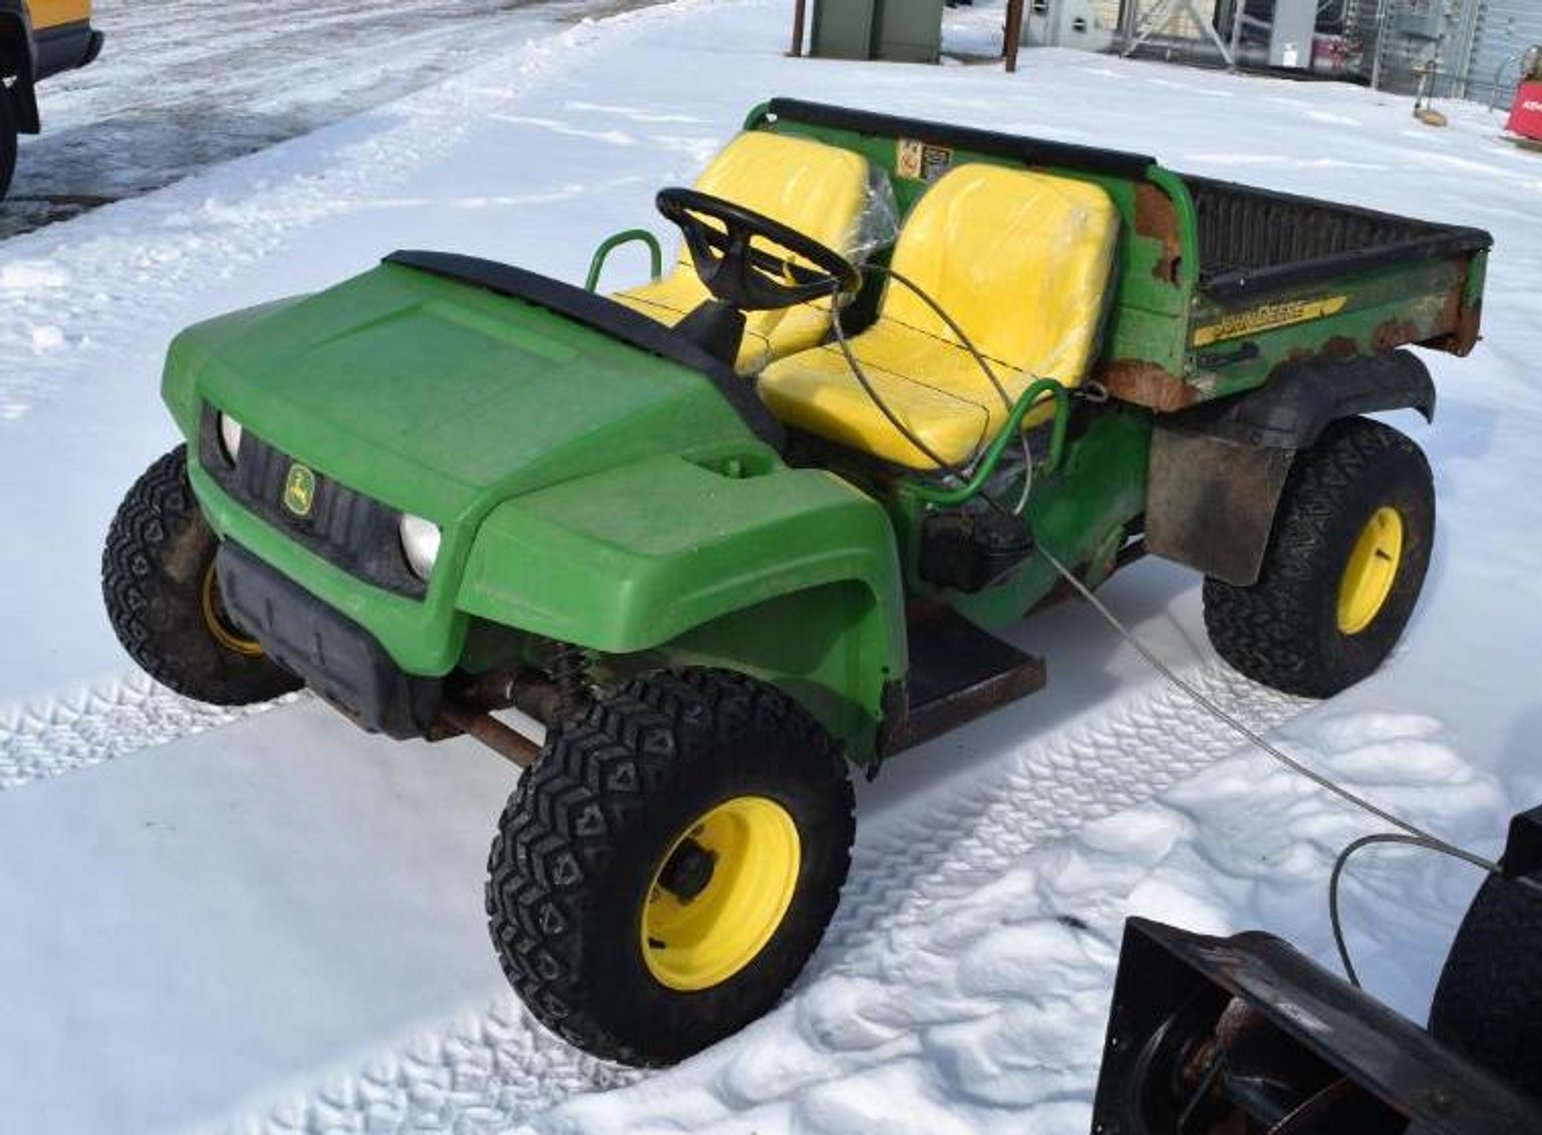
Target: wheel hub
{"x":1371,"y":571}
{"x":720,"y":893}
{"x":688,"y":871}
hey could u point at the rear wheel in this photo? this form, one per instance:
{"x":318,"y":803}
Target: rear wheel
{"x":1344,"y":567}
{"x":163,"y":597}
{"x":1488,"y":1004}
{"x":667,"y":868}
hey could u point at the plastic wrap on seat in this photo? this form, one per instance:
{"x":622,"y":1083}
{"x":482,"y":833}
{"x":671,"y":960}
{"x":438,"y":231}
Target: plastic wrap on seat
{"x":1022,"y":261}
{"x":825,"y":192}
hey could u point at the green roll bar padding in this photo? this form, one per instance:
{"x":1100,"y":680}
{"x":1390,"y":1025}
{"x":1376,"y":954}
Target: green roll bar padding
{"x":987,"y":466}
{"x":611,"y":243}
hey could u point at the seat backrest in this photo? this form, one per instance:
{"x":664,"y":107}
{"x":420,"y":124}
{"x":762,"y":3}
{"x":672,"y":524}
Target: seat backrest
{"x":1021,"y":261}
{"x":821,"y":191}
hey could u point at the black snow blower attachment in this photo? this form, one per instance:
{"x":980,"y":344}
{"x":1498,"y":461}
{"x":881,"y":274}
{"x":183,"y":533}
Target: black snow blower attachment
{"x":1245,"y":1036}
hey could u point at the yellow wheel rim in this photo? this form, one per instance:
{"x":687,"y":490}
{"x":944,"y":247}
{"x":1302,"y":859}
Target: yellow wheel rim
{"x":1372,"y":568}
{"x":719,"y":894}
{"x":218,"y":623}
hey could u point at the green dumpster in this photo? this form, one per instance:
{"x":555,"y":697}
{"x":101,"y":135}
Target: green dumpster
{"x":904,"y":31}
{"x":908,"y":31}
{"x":843,"y":29}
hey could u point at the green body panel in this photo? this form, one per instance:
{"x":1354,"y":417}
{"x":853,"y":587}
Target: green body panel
{"x":1381,"y":308}
{"x":439,"y":400}
{"x":603,"y":563}
{"x":1078,"y":512}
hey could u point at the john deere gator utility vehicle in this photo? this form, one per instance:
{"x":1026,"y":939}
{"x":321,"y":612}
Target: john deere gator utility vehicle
{"x":727,"y":546}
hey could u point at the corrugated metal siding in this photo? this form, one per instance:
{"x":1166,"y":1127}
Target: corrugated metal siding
{"x":1380,"y":26}
{"x":1505,"y":28}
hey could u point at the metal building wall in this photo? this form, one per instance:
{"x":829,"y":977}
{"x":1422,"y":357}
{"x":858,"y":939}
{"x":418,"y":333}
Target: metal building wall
{"x":1504,"y":29}
{"x":1477,"y":37}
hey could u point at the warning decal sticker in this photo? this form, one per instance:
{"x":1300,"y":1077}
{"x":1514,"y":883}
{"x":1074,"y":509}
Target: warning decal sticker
{"x":921,"y":161}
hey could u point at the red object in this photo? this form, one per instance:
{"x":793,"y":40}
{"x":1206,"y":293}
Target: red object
{"x":1526,"y":114}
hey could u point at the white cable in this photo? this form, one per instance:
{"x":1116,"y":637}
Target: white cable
{"x":1250,"y":735}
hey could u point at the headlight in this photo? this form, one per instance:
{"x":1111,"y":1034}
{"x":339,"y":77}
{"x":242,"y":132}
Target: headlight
{"x":230,"y":437}
{"x":420,"y":542}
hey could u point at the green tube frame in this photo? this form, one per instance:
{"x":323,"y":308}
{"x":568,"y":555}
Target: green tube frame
{"x":611,"y":243}
{"x":1039,"y":387}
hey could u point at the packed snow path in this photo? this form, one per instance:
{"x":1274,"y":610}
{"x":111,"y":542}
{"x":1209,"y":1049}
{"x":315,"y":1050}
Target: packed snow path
{"x":184,"y":84}
{"x":271,"y":922}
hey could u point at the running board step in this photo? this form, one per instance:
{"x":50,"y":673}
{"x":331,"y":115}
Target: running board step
{"x":958,"y":672}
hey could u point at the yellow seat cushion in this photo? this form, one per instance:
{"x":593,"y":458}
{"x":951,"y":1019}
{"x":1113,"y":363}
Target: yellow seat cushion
{"x":1021,"y":261}
{"x":819,"y":190}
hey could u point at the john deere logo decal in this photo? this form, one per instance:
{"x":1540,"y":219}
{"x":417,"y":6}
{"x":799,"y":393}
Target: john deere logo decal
{"x":1268,"y":318}
{"x":300,"y":490}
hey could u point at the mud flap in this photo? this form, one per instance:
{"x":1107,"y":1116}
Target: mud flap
{"x":1211,"y":501}
{"x":1217,"y":470}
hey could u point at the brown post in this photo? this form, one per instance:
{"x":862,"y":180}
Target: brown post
{"x":1014,"y":32}
{"x":797,"y":27}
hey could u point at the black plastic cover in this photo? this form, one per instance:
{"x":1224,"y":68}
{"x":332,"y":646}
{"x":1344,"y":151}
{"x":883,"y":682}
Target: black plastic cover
{"x":1255,"y":241}
{"x":337,"y":658}
{"x":356,"y":532}
{"x":1029,"y":151}
{"x":1301,"y":399}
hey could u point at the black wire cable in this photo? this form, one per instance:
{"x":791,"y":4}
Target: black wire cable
{"x":1429,"y":844}
{"x":883,"y":407}
{"x":961,"y":473}
{"x":963,"y":337}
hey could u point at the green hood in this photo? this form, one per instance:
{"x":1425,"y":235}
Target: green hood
{"x":435,"y":397}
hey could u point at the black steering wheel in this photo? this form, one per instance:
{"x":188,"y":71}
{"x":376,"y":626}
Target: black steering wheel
{"x":743,"y":276}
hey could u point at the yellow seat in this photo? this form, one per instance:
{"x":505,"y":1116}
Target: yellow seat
{"x":1021,"y":261}
{"x":818,"y":190}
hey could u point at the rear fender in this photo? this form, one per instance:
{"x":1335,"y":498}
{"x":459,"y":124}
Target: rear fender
{"x":1217,"y":471}
{"x":730,"y":559}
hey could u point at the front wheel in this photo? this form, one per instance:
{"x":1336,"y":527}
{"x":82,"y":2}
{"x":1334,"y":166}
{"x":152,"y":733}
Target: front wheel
{"x":163,"y":598}
{"x":1344,"y":567}
{"x":667,"y":868}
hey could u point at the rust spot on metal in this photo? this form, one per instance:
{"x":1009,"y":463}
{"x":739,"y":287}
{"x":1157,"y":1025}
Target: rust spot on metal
{"x":1459,"y":324}
{"x":1155,"y":217}
{"x":1467,"y":333}
{"x":1146,"y":384}
{"x":1451,"y":307}
{"x":1394,"y":333}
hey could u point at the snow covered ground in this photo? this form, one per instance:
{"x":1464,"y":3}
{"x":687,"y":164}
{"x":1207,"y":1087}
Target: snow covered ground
{"x":270,"y":922}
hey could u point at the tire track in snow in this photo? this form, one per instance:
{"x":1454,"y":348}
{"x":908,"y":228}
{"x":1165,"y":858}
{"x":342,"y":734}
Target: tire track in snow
{"x":908,"y":861}
{"x":108,"y":719}
{"x":493,"y":1072}
{"x":481,"y":1074}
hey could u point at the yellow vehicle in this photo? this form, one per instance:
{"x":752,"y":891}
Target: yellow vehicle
{"x":38,"y":38}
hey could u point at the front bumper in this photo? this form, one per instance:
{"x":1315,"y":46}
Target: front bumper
{"x":337,"y":658}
